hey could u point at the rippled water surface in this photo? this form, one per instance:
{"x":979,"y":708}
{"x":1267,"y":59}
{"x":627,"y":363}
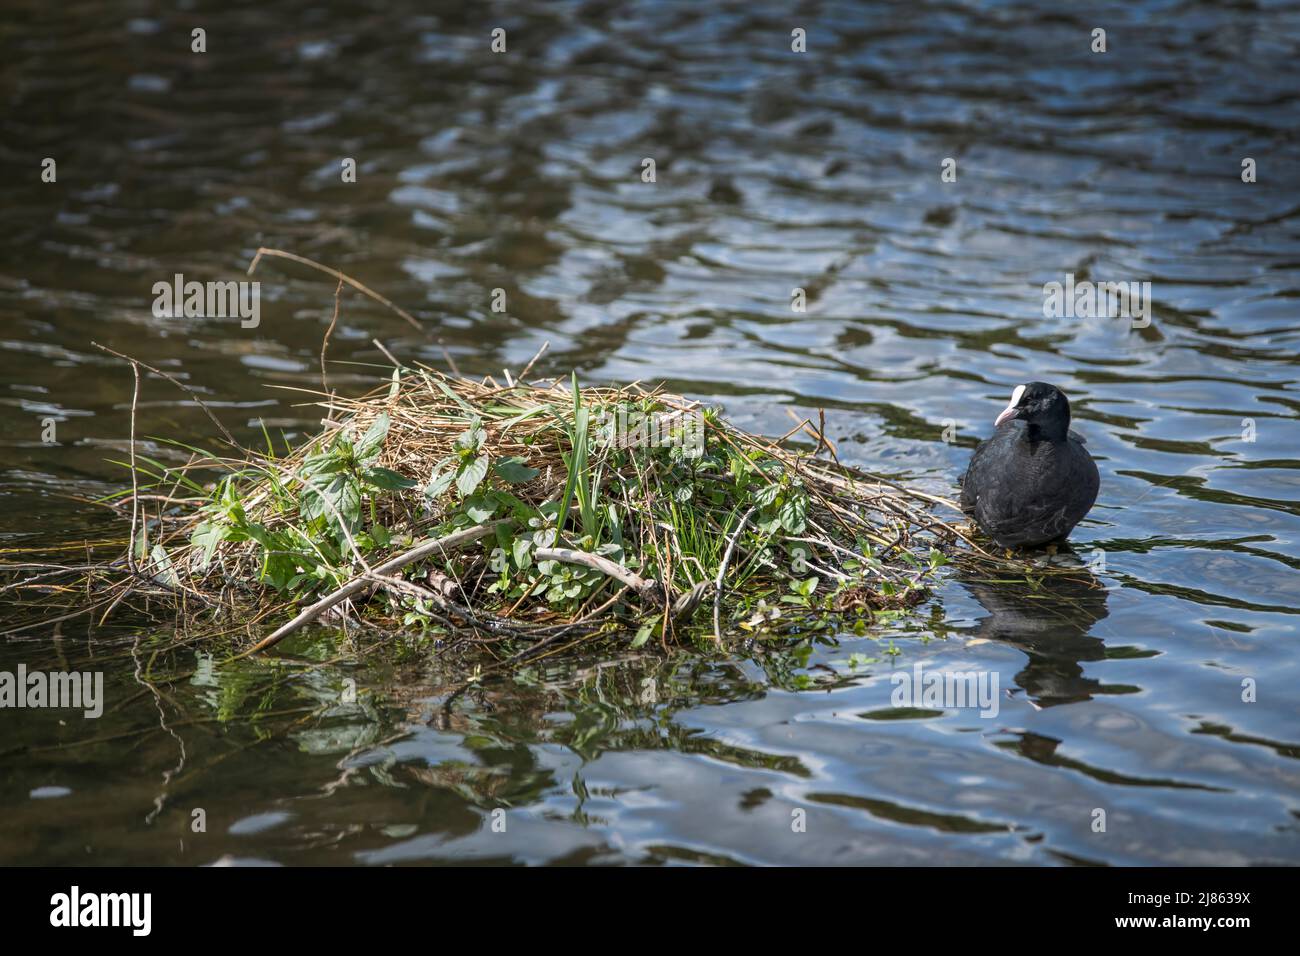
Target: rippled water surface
{"x":775,"y":170}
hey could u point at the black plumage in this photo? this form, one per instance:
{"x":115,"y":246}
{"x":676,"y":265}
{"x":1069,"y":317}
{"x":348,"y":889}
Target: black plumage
{"x":1033,"y":480}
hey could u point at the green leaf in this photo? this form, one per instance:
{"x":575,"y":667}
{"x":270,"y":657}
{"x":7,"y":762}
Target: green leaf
{"x":312,"y":503}
{"x":503,"y":534}
{"x":522,"y":550}
{"x":643,"y":634}
{"x":322,"y":463}
{"x":577,"y":460}
{"x":794,"y":513}
{"x":386,"y":479}
{"x":440,"y":482}
{"x":472,"y":439}
{"x":335,"y":499}
{"x":162,"y":565}
{"x":806,"y":587}
{"x":611,"y":549}
{"x":278,"y":570}
{"x":207,"y":535}
{"x":471,"y":475}
{"x":373,"y":440}
{"x":480,"y":508}
{"x":520,"y":509}
{"x":766,"y":495}
{"x":524,"y":416}
{"x":514,"y":471}
{"x":348,"y":503}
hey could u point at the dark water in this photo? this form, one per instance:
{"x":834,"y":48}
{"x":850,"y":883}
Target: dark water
{"x":775,"y":170}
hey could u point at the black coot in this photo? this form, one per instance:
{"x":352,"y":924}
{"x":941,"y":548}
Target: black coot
{"x":1033,"y":481}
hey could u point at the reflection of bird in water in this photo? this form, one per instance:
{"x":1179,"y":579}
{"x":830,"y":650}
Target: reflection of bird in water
{"x":1050,"y":623}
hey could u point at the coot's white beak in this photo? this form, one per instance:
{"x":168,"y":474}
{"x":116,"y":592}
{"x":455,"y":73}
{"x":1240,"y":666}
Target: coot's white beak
{"x":1011,"y":411}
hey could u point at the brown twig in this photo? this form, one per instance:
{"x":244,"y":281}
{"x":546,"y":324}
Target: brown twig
{"x":387,"y":354}
{"x":719,"y":584}
{"x":179,"y":384}
{"x":533,"y":361}
{"x":451,"y":362}
{"x":342,"y":277}
{"x":325,"y":342}
{"x":135,"y":480}
{"x":360,"y":581}
{"x":649,"y":590}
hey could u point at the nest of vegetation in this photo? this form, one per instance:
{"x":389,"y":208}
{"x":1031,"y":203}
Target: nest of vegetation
{"x":485,"y":511}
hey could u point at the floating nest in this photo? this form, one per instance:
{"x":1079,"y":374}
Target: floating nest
{"x":486,"y":511}
{"x":482,"y":510}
